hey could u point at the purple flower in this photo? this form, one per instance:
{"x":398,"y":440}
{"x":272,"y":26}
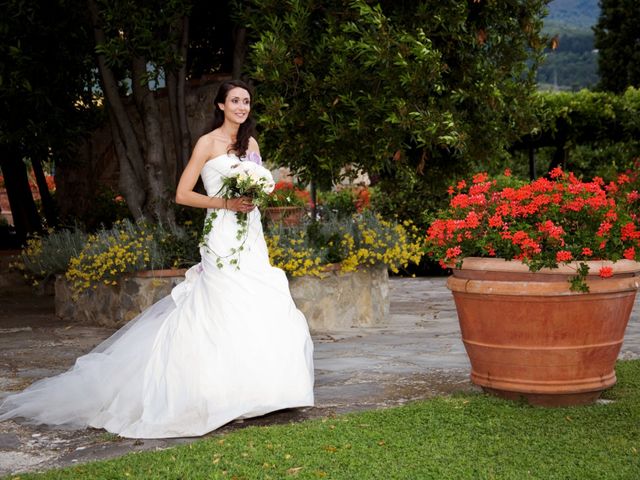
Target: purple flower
{"x":253,"y":157}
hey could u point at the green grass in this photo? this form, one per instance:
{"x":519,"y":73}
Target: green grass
{"x":459,"y":437}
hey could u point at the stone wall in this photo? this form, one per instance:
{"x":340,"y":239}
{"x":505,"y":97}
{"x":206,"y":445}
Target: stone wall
{"x":113,"y":306}
{"x":337,"y":301}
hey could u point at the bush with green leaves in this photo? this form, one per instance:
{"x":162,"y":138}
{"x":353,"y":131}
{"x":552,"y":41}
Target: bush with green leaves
{"x":130,"y":247}
{"x":48,"y":255}
{"x":397,"y":89}
{"x":103,"y":256}
{"x":349,"y":243}
{"x":589,"y":133}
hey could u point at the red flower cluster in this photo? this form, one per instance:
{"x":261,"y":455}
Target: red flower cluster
{"x":285,"y":194}
{"x":543,"y":223}
{"x":363,"y":198}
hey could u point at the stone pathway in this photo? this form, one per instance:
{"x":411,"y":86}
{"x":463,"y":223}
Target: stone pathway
{"x":417,"y":355}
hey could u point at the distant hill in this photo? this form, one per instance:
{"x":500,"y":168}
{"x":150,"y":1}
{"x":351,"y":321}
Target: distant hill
{"x":575,"y":13}
{"x":574,"y":65}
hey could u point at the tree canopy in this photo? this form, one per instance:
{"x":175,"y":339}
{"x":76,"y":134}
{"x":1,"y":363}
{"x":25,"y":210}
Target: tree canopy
{"x":422,"y":85}
{"x":617,"y":37}
{"x":45,"y":94}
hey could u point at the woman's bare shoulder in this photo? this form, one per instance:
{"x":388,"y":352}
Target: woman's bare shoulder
{"x":211,"y":144}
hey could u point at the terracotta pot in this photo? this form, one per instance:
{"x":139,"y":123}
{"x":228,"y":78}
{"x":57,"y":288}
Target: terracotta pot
{"x":286,"y":215}
{"x":169,"y":272}
{"x":529,"y":336}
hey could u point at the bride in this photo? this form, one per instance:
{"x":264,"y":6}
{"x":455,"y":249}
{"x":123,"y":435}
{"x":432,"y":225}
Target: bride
{"x":227,"y":343}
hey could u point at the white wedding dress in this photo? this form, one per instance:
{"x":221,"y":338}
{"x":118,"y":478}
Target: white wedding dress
{"x":227,"y":343}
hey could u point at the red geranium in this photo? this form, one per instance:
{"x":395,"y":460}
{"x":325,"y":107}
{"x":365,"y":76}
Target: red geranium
{"x":286,"y":194}
{"x":543,"y":223}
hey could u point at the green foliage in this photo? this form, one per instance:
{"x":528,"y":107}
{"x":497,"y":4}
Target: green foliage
{"x":107,"y":208}
{"x":403,"y":193}
{"x":398,"y":86}
{"x":45,"y":77}
{"x":343,"y":202}
{"x":471,"y":436}
{"x":145,"y":30}
{"x":45,"y":256}
{"x":599,"y":131}
{"x":108,"y":253}
{"x":616,"y":38}
{"x":353,"y":242}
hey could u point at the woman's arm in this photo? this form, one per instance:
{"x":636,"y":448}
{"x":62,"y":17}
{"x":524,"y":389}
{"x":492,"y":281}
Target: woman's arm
{"x":184,"y":193}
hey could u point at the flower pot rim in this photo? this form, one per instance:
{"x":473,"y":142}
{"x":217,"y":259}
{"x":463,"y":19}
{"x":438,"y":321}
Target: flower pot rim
{"x":623,"y":266}
{"x":285,"y":207}
{"x":165,"y":272}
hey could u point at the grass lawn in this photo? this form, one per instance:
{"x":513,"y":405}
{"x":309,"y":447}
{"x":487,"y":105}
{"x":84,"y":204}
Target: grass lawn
{"x":459,"y":437}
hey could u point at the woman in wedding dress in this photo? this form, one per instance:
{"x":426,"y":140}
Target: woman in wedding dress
{"x":227,"y":343}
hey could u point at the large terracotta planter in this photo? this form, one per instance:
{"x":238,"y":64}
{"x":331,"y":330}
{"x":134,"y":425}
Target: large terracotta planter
{"x":529,"y":336}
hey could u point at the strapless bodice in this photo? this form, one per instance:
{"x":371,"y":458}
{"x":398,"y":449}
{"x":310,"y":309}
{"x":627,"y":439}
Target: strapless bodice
{"x":215,"y":170}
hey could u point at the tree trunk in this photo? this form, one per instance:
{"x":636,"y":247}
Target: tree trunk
{"x":239,"y":52}
{"x":185,"y":134}
{"x":48,"y":205}
{"x":314,"y":200}
{"x":129,"y":187}
{"x":23,"y":207}
{"x":172,"y":96}
{"x":158,"y":201}
{"x":176,"y":85}
{"x":129,"y":146}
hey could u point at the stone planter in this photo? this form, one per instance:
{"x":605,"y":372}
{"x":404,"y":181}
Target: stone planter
{"x":113,"y":306}
{"x":334,"y":301}
{"x":337,"y":301}
{"x":529,"y":336}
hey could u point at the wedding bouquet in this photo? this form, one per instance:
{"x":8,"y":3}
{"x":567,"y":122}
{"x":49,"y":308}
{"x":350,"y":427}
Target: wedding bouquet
{"x":247,"y":179}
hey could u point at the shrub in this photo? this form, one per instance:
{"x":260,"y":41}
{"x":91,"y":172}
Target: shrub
{"x":345,"y":201}
{"x":129,"y":247}
{"x":361,"y":240}
{"x":45,"y":256}
{"x":286,"y":194}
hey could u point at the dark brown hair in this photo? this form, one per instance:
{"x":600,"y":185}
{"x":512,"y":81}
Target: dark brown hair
{"x":247,"y":128}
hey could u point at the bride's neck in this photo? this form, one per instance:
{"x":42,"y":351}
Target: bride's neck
{"x":230,"y":131}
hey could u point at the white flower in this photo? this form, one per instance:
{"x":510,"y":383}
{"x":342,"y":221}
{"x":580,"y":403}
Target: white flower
{"x":242,"y":176}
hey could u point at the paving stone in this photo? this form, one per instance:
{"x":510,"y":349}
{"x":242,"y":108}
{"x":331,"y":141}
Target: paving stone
{"x":9,"y":441}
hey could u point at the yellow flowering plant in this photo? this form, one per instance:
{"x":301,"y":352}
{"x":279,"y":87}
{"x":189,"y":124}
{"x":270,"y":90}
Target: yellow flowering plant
{"x":362,"y":240}
{"x":47,"y":255}
{"x":108,"y":254}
